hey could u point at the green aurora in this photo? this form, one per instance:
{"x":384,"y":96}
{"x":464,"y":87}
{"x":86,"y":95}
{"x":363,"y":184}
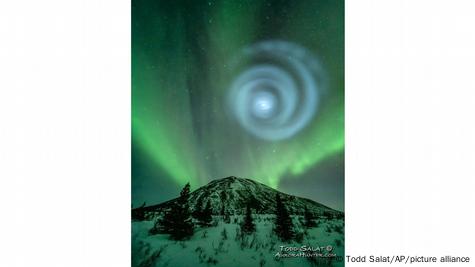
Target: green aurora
{"x":181,"y":73}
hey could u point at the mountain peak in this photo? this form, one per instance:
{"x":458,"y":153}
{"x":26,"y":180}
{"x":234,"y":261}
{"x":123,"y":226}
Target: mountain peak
{"x":232,"y":194}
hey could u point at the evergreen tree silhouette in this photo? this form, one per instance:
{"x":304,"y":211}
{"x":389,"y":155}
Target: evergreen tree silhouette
{"x":226,"y":217}
{"x":198,"y":208}
{"x":138,"y":214}
{"x":309,"y":218}
{"x":222,"y":212}
{"x":205,"y":217}
{"x":177,"y":220}
{"x":328,"y":215}
{"x":283,"y":223}
{"x":224,"y":198}
{"x":248,"y":225}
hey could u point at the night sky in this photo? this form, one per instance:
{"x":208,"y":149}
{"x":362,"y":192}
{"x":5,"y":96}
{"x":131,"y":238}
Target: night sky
{"x":251,"y":89}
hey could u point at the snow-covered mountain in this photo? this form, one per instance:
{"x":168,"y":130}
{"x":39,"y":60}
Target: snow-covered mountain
{"x":223,"y":242}
{"x":234,"y":193}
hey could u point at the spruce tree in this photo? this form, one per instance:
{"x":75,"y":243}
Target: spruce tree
{"x":138,"y":214}
{"x":227,"y":217}
{"x":177,"y":220}
{"x":205,"y":216}
{"x":224,"y":198}
{"x":309,"y":218}
{"x":283,"y":223}
{"x":248,"y":225}
{"x":328,"y":215}
{"x":198,"y":208}
{"x":223,"y":211}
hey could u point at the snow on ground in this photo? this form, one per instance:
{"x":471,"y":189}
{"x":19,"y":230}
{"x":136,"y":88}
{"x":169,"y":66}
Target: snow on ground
{"x":224,"y":245}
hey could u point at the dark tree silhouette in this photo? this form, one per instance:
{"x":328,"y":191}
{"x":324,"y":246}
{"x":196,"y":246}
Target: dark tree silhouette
{"x":223,"y":211}
{"x":205,"y":217}
{"x":328,"y":215}
{"x":227,"y":217}
{"x":177,"y":220}
{"x":248,"y":225}
{"x":283,"y":223}
{"x":309,"y":218}
{"x":198,"y":208}
{"x":138,"y":214}
{"x":224,"y":198}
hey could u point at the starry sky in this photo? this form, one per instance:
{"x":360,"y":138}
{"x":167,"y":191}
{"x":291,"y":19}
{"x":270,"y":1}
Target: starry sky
{"x":246,"y":88}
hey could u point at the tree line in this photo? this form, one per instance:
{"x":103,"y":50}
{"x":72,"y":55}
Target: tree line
{"x":177,"y":221}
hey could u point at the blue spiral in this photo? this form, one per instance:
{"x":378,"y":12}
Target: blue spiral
{"x":277,"y":91}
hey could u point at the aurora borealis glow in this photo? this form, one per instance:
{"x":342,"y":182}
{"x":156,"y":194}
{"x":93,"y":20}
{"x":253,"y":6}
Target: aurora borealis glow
{"x":186,"y":124}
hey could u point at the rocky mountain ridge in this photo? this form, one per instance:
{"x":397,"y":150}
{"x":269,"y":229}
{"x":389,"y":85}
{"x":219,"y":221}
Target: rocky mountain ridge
{"x":231,"y":195}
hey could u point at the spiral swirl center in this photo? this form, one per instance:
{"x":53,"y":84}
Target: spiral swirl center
{"x":277,"y":91}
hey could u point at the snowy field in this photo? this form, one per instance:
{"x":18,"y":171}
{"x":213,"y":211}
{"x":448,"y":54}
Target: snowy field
{"x":224,"y":245}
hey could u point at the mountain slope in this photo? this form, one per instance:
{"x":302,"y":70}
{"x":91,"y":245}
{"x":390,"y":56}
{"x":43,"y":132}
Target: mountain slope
{"x":231,"y":195}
